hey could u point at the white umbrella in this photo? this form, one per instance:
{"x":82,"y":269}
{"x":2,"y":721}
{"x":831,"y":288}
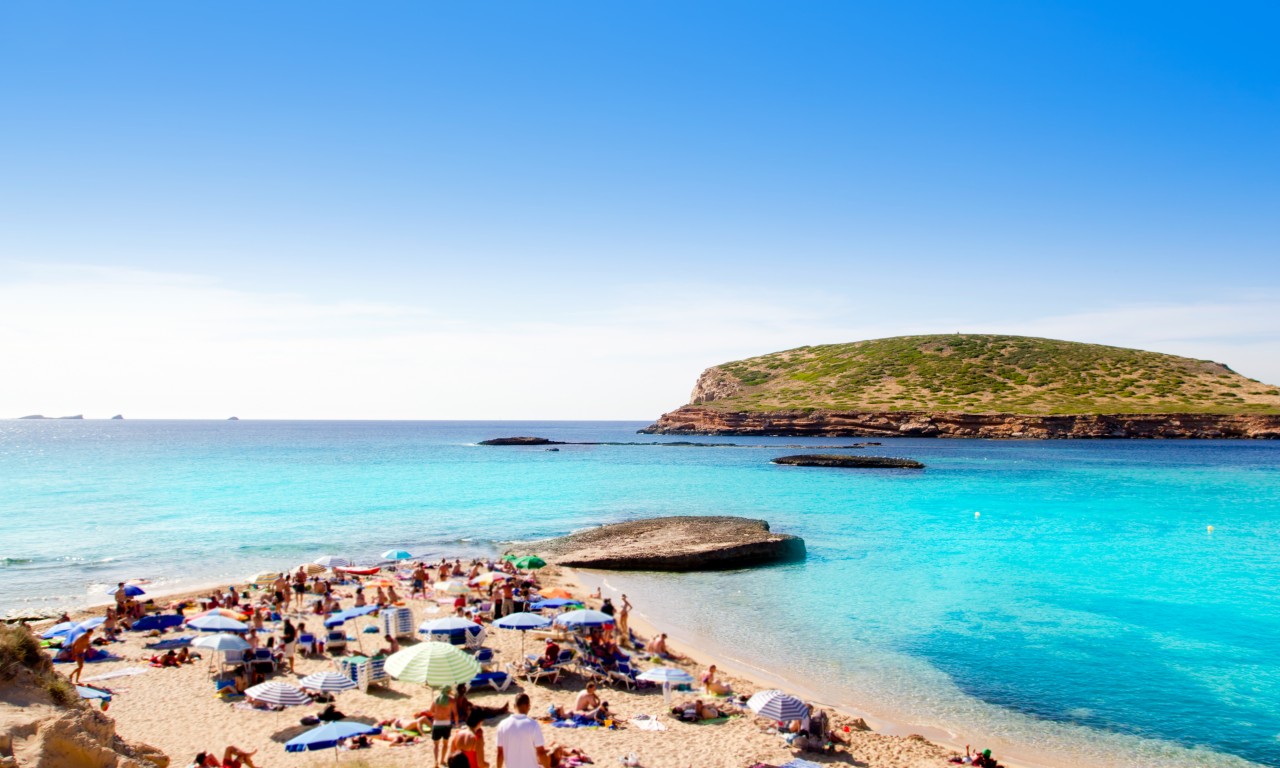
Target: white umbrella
{"x":668,"y":676}
{"x":278,"y":694}
{"x":452,"y":588}
{"x":333,"y":561}
{"x":327,"y":682}
{"x":221,"y":643}
{"x":777,"y":705}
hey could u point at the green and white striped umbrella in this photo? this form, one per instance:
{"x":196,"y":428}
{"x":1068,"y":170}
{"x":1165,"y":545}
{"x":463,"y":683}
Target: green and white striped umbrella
{"x":433,"y":664}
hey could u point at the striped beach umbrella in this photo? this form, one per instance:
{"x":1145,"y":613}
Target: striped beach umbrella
{"x":311,"y":569}
{"x":433,"y":664}
{"x":327,"y":682}
{"x":777,"y":705}
{"x":278,"y":694}
{"x":451,"y":588}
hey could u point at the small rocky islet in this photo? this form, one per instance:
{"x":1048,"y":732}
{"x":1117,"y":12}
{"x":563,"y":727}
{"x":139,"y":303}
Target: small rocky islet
{"x":848,"y":462}
{"x":677,"y":543}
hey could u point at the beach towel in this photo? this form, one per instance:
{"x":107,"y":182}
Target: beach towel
{"x":103,"y":657}
{"x":126,"y":672}
{"x":648,"y":723}
{"x":799,"y":763}
{"x":172,"y":642}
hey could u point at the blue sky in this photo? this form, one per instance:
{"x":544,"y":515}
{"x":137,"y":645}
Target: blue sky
{"x":613,"y":196}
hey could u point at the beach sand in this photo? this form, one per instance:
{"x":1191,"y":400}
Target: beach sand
{"x":177,"y":711}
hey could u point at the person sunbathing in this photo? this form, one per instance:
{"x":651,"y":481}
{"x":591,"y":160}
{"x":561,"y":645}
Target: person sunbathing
{"x":696,"y":711}
{"x":565,"y":757}
{"x":232,"y":757}
{"x":658,"y":647}
{"x":714,"y":686}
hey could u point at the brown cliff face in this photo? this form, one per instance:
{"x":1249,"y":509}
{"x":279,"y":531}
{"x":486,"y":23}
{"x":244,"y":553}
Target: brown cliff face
{"x":694,"y":420}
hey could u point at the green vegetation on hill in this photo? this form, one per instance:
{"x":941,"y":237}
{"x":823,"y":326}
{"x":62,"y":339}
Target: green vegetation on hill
{"x":978,"y":373}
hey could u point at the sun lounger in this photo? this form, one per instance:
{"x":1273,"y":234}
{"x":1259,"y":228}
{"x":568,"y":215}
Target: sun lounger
{"x":336,"y":641}
{"x":498,"y":681}
{"x":625,"y":674}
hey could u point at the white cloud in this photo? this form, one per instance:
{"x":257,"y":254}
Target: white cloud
{"x":100,"y":341}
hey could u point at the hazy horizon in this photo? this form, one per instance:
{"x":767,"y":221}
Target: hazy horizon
{"x":568,"y":212}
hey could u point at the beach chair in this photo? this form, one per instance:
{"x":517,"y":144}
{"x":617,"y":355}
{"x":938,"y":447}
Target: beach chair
{"x":307,"y":644}
{"x":336,"y":641}
{"x":533,"y":672}
{"x":484,"y":656}
{"x":624,"y":673}
{"x":498,"y":681}
{"x":234,"y":657}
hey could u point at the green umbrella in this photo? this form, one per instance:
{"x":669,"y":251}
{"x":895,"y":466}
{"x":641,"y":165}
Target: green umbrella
{"x":529,"y":562}
{"x":433,"y":664}
{"x":508,"y":557}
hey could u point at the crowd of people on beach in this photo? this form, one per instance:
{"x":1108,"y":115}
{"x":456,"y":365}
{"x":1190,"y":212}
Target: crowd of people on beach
{"x":276,"y":613}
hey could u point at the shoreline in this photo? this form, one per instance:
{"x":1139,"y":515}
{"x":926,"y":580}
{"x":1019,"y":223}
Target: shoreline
{"x":764,"y":679}
{"x":1012,"y":753}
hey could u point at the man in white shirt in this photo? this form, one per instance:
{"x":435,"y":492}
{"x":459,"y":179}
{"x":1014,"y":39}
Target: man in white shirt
{"x":520,"y":742}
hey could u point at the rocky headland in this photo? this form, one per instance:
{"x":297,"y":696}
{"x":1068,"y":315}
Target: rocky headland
{"x":696,"y":420}
{"x":848,"y":462}
{"x":975,"y":385}
{"x":675,"y":544}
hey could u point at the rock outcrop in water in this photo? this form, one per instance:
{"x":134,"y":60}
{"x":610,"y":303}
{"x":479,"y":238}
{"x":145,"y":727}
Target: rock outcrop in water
{"x":697,"y":420}
{"x":520,"y":441}
{"x":675,"y":544}
{"x":848,"y":462}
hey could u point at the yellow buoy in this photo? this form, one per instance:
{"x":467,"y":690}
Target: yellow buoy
{"x":1211,"y":529}
{"x":977,"y":514}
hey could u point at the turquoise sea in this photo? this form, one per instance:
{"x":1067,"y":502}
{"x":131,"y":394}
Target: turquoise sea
{"x":1067,"y":595}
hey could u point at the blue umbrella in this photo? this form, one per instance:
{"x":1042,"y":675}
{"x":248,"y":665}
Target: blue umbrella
{"x":215,"y":623}
{"x":553,"y":604}
{"x":329,"y":735}
{"x":341,"y":617}
{"x":96,"y":621}
{"x":522,"y":621}
{"x":59,"y":629}
{"x":396,"y":554}
{"x":133,"y":590}
{"x":583,"y":618}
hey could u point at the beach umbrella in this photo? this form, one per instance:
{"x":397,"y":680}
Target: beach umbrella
{"x":777,"y":705}
{"x":332,"y":561}
{"x":433,"y":664}
{"x":329,"y":736}
{"x":327,"y":682}
{"x":381,"y":581}
{"x":522,"y":622}
{"x":311,"y":569}
{"x":448,"y":626}
{"x":266,"y":577}
{"x":552,"y":593}
{"x":133,"y":590}
{"x":451,"y":588}
{"x":93,"y":623}
{"x":217,"y":624}
{"x":508,"y":558}
{"x":223,"y":612}
{"x":668,"y":676}
{"x":583,"y":619}
{"x":278,"y":694}
{"x":396,"y":554}
{"x":530,"y":562}
{"x":59,"y":629}
{"x":487,"y":578}
{"x":221,"y":643}
{"x":553,"y":604}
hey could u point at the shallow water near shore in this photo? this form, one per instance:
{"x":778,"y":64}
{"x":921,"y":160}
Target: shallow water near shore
{"x":1065,"y":594}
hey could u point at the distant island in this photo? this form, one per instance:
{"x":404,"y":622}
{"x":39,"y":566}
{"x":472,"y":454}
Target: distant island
{"x":52,"y":418}
{"x":848,"y":462}
{"x":976,"y":385}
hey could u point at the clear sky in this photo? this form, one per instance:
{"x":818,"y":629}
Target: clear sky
{"x":569,"y":209}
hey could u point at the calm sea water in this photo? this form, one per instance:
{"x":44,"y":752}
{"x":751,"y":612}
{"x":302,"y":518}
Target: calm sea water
{"x":1087,"y":609}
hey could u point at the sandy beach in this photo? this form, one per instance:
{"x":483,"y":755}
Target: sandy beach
{"x":176,"y":710}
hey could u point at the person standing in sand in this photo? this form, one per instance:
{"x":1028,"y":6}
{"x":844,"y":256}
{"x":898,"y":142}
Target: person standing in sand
{"x":620,"y":622}
{"x":444,"y":711}
{"x":299,"y":587}
{"x":520,"y":743}
{"x":79,"y":650}
{"x":122,"y":598}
